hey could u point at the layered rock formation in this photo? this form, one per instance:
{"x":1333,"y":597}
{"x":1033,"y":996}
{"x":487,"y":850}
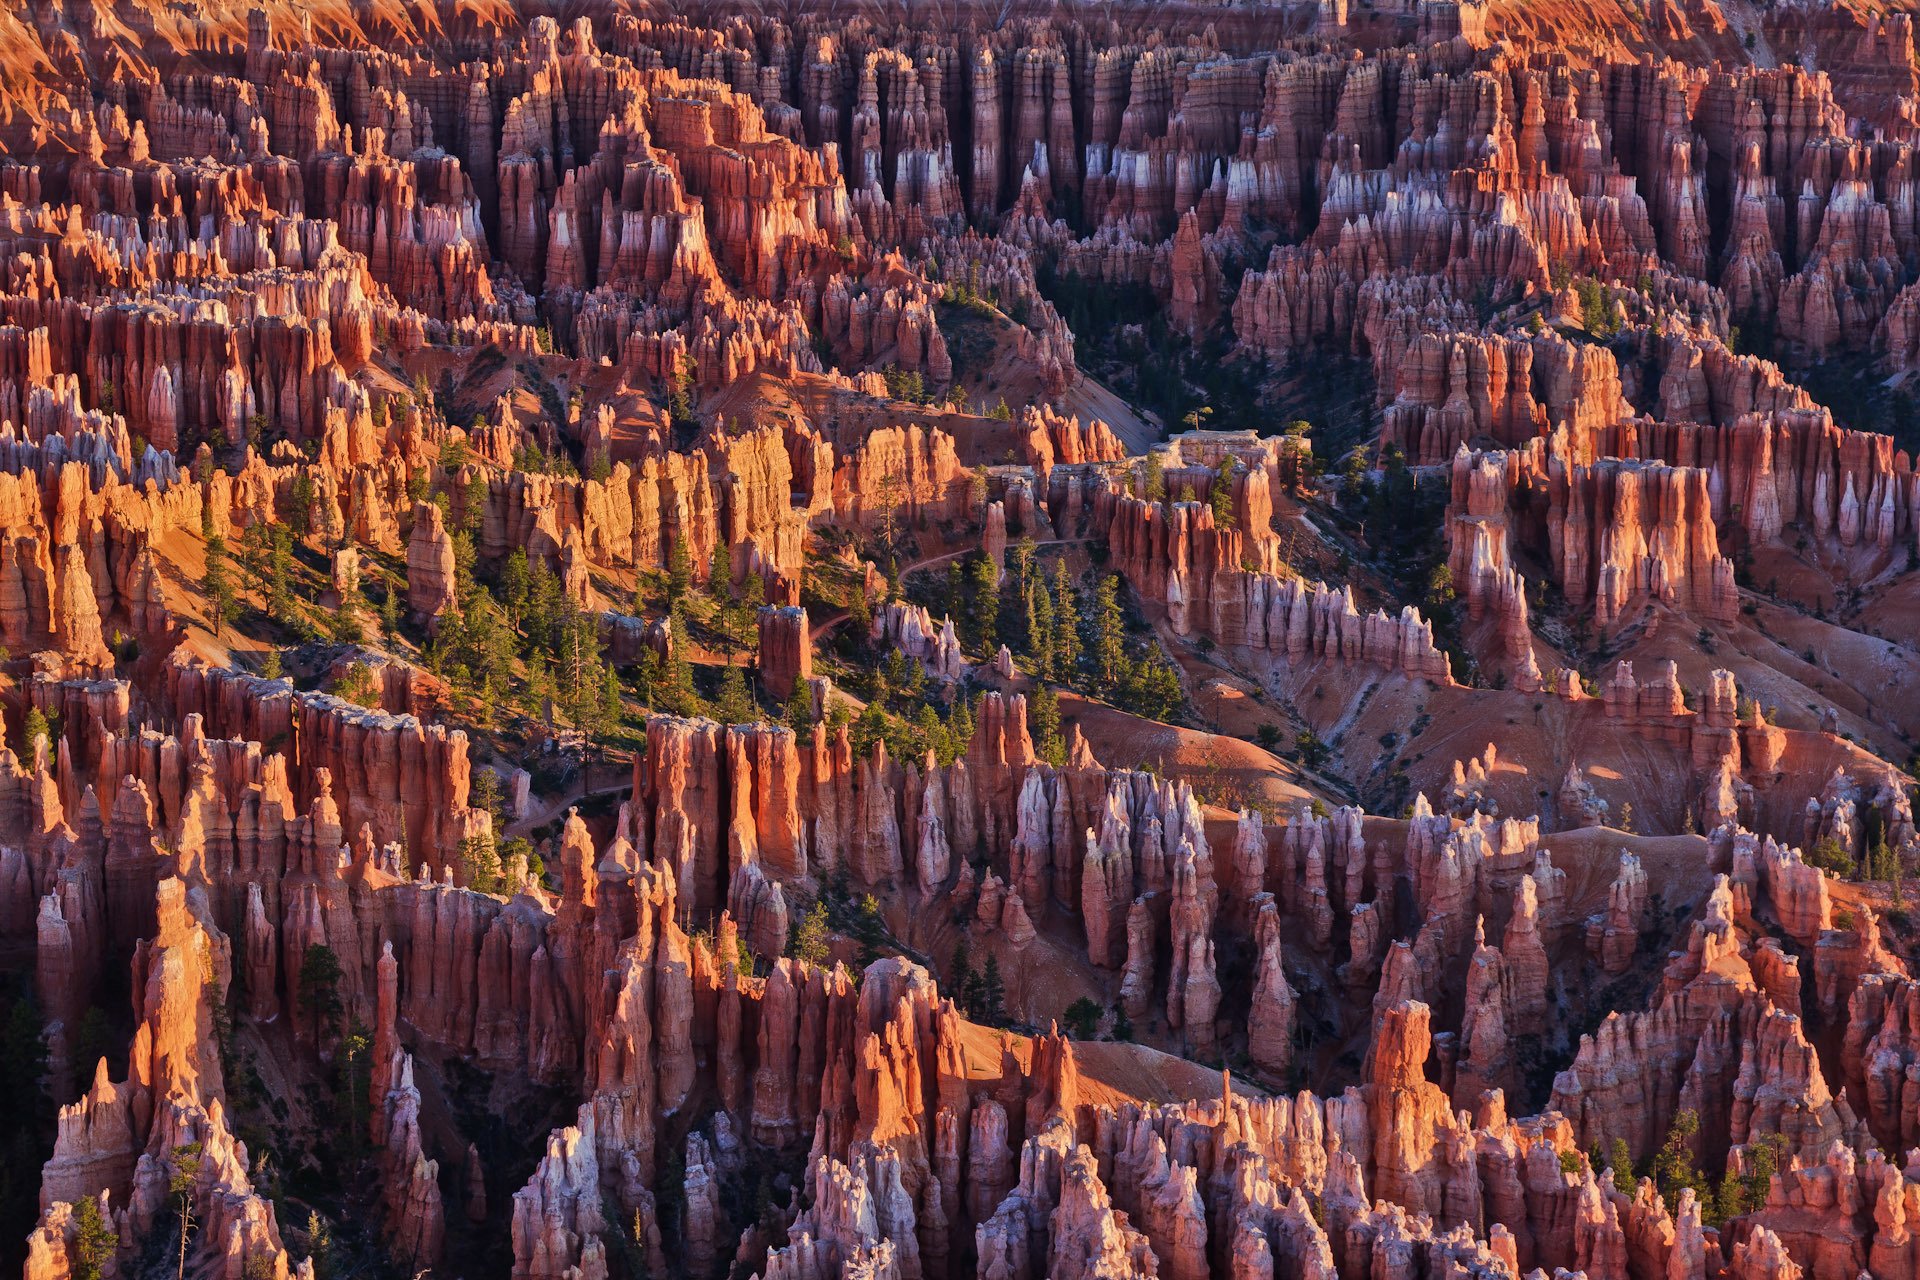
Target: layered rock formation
{"x":513,"y":333}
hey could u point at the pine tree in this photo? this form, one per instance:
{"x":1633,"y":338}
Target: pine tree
{"x":184,"y":1175}
{"x":1017,"y":631}
{"x":960,"y":726}
{"x":646,"y":678}
{"x":993,"y":993}
{"x":799,"y":713}
{"x":279,"y":573}
{"x":1620,"y":1160}
{"x":94,"y":1241}
{"x":1109,"y":634}
{"x":679,"y":698}
{"x":484,"y":794}
{"x":812,"y":939}
{"x":222,"y":607}
{"x":34,"y":729}
{"x":539,"y":684}
{"x":1154,"y":488}
{"x":319,"y":995}
{"x":869,"y":728}
{"x":576,"y":663}
{"x":515,"y":582}
{"x":736,"y":703}
{"x":931,"y":731}
{"x":960,"y":977}
{"x":983,"y":621}
{"x":23,"y":1055}
{"x":1042,"y":645}
{"x":1066,"y":623}
{"x":300,"y":516}
{"x":1221,"y":497}
{"x":1043,"y":720}
{"x":480,"y":862}
{"x":492,"y":640}
{"x":463,"y":568}
{"x":956,"y":590}
{"x":612,"y":709}
{"x":1673,"y":1169}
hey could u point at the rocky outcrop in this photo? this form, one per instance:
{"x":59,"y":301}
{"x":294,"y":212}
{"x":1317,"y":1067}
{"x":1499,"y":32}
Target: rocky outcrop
{"x":786,"y":650}
{"x":430,"y":564}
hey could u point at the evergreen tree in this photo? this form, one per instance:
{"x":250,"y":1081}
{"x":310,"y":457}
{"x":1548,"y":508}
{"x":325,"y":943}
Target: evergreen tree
{"x":1043,"y":644}
{"x":1108,"y":642}
{"x":183,"y":1176}
{"x":956,"y":590}
{"x":931,"y":731}
{"x":484,"y":794}
{"x":799,"y":713}
{"x":222,"y":606}
{"x":539,"y":684}
{"x":993,"y":993}
{"x":1221,"y":497}
{"x":480,"y":862}
{"x":515,"y":585}
{"x":1083,"y":1019}
{"x":300,"y":516}
{"x":23,"y":1052}
{"x":1016,"y":631}
{"x":1066,"y":622}
{"x":356,"y":684}
{"x":463,"y":567}
{"x":1150,"y":687}
{"x":983,"y":620}
{"x":473,"y":503}
{"x":576,"y":664}
{"x":1673,"y":1168}
{"x":546,"y":601}
{"x":491,"y":641}
{"x":679,"y":569}
{"x":1043,"y":720}
{"x":1620,"y":1161}
{"x":869,"y":728}
{"x":612,"y":708}
{"x":256,"y":548}
{"x":960,"y":726}
{"x":94,"y":1241}
{"x":34,"y":729}
{"x":320,"y":987}
{"x":812,"y":939}
{"x":647,"y":677}
{"x":279,"y":575}
{"x":679,"y":698}
{"x":1154,"y":488}
{"x":960,"y":971}
{"x":736,"y":703}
